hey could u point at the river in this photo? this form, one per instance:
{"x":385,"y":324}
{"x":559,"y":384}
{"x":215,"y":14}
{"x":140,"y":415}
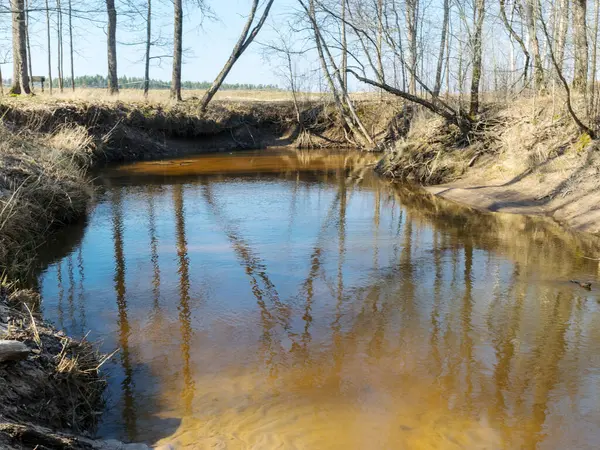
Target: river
{"x":285,"y":299}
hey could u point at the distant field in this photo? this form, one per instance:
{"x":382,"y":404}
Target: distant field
{"x":162,"y":96}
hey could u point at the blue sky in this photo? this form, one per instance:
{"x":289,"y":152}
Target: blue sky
{"x":209,"y":44}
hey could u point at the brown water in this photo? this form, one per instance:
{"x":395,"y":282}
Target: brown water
{"x":294,"y":300}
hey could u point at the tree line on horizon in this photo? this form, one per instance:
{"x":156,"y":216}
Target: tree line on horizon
{"x":101,"y":82}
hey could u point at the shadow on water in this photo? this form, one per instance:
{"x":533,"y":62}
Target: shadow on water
{"x":284,"y":299}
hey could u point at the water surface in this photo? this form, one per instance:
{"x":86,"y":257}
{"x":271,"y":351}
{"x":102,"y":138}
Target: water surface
{"x":294,"y":300}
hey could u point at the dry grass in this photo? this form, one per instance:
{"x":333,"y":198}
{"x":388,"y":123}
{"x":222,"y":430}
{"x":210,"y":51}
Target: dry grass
{"x":59,"y":385}
{"x":41,"y":186}
{"x":528,"y":134}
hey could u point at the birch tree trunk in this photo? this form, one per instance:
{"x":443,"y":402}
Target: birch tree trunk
{"x":49,"y":46}
{"x":113,"y":79}
{"x":440,"y":63}
{"x":177,"y":50}
{"x":28,"y":43}
{"x":148,"y":48}
{"x":344,"y":65}
{"x":71,"y":45}
{"x":411,"y":16}
{"x":59,"y":45}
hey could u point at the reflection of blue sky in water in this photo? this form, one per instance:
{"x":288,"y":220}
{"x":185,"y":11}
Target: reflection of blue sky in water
{"x":303,"y":309}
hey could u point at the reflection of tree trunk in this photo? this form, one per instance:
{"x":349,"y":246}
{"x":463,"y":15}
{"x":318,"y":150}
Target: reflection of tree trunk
{"x":506,"y":345}
{"x":71,"y":296}
{"x":154,"y":253}
{"x":129,"y":408}
{"x":256,"y":271}
{"x":185,"y":314}
{"x":467,"y":326}
{"x":437,"y":299}
{"x":61,"y":294}
{"x":550,"y":351}
{"x":81,"y":297}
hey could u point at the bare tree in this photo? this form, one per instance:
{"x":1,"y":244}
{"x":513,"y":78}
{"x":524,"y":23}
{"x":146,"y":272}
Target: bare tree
{"x":28,"y":41}
{"x":244,"y":41}
{"x":478,"y":16}
{"x":531,"y":7}
{"x":177,"y":50}
{"x":71,"y":45}
{"x":148,"y":48}
{"x":113,"y":79}
{"x":440,"y":64}
{"x":20,"y":82}
{"x":580,"y":45}
{"x":59,"y":43}
{"x":49,"y":50}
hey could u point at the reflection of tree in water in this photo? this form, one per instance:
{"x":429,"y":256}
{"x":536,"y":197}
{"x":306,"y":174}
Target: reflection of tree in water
{"x":275,"y":312}
{"x":81,"y":295}
{"x":128,"y":387}
{"x":185,"y":314}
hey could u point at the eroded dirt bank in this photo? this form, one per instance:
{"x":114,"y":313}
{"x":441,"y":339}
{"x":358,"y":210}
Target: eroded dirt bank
{"x":526,"y":158}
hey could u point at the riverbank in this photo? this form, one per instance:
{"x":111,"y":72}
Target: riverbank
{"x":48,"y":381}
{"x":527,"y":158}
{"x":47,"y":149}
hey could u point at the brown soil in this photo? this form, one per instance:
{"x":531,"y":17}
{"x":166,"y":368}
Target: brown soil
{"x":57,"y":386}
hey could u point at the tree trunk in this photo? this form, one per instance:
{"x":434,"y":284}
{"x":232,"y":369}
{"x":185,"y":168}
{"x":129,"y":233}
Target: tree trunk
{"x":242,"y":44}
{"x":592,"y":83}
{"x":411,"y":25}
{"x":515,"y":36}
{"x":60,"y":47}
{"x":580,"y":45}
{"x":478,"y":16}
{"x":177,"y":51}
{"x":71,"y":46}
{"x":380,"y":71}
{"x":538,"y":68}
{"x":28,"y":43}
{"x":344,"y":64}
{"x":1,"y":82}
{"x":563,"y":27}
{"x":440,"y":62}
{"x":148,"y":47}
{"x":49,"y":46}
{"x":113,"y":79}
{"x":19,"y":34}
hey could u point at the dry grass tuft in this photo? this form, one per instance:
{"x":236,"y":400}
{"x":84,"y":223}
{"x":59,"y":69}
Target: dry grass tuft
{"x":59,"y":385}
{"x":41,"y":187}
